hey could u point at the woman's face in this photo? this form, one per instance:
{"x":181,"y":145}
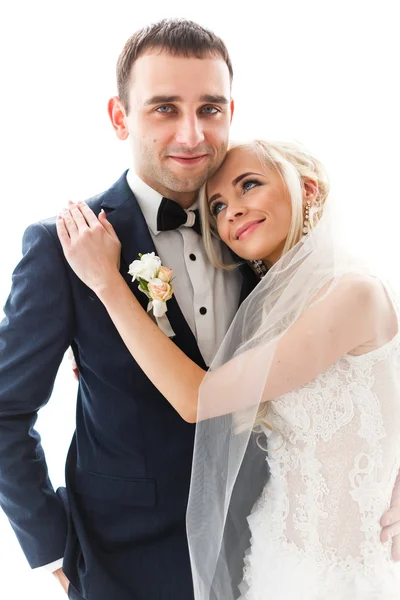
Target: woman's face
{"x":251,"y":206}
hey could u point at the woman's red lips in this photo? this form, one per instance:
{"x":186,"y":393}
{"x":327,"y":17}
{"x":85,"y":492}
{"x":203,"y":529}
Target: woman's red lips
{"x":246,"y":226}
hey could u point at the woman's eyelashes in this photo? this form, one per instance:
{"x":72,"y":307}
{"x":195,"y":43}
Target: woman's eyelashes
{"x":245,"y":186}
{"x":249,"y":184}
{"x":216,"y":208}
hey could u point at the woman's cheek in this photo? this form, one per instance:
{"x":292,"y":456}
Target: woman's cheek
{"x":224,"y":233}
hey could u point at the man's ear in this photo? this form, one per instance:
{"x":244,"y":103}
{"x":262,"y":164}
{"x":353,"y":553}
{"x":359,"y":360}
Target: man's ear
{"x":232,"y":109}
{"x":116,"y":112}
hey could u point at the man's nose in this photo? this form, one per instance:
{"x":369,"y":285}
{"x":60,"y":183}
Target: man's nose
{"x":189,"y":132}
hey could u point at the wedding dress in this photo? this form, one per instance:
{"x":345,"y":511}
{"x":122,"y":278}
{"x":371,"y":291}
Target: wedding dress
{"x":333,"y":450}
{"x":334,"y":455}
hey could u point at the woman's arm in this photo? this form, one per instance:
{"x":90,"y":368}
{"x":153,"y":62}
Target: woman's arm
{"x":176,"y":376}
{"x":335,"y":325}
{"x":93,"y":251}
{"x":326,"y":331}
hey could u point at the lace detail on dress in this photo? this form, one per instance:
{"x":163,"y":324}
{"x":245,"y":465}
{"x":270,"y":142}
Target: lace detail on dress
{"x":315,"y":529}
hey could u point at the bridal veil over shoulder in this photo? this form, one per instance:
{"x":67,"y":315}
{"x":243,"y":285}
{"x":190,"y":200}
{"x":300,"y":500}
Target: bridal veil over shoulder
{"x":332,"y":445}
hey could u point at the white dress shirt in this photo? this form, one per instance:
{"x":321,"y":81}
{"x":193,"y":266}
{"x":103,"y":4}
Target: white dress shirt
{"x":207,"y":297}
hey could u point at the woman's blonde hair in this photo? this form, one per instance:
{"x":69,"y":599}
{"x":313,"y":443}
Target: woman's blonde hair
{"x":295,"y":165}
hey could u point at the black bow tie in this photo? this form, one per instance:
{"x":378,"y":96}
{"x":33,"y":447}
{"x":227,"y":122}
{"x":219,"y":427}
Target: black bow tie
{"x":171,"y":216}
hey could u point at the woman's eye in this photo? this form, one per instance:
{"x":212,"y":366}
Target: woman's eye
{"x":216,"y":208}
{"x":249,"y":184}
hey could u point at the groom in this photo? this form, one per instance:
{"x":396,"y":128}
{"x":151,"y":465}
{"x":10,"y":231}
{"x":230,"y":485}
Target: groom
{"x":118,"y":528}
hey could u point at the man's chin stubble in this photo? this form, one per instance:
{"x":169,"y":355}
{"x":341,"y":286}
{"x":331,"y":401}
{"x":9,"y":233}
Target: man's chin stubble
{"x":187,"y":184}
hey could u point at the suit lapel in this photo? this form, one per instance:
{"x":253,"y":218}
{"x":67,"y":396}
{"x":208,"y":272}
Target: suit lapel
{"x":124,"y":214}
{"x":249,"y":277}
{"x":249,"y":282}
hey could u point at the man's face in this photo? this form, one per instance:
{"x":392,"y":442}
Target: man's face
{"x":178,"y":121}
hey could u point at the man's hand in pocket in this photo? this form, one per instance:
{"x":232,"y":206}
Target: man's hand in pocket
{"x":62,"y":579}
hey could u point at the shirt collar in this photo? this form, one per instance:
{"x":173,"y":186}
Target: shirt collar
{"x":148,"y":199}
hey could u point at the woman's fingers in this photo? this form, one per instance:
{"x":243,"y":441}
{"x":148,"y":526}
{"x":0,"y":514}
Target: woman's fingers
{"x":79,"y":219}
{"x":70,"y":224}
{"x":107,"y":225}
{"x":88,"y":214}
{"x":62,"y":232}
{"x":77,"y":216}
{"x":390,"y":531}
{"x":83,"y":217}
{"x":92,"y":220}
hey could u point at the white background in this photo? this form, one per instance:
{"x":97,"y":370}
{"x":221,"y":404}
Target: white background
{"x":325,"y":73}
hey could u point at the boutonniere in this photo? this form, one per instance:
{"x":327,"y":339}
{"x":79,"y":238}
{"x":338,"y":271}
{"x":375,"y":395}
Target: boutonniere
{"x":155,"y":282}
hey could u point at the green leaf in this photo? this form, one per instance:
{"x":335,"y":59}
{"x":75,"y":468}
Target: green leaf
{"x":143,"y":285}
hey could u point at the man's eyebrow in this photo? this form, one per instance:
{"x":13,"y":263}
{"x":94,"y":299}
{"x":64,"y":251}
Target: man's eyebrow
{"x":168,"y":99}
{"x":214,"y":99}
{"x":162,"y":100}
{"x":234,"y":182}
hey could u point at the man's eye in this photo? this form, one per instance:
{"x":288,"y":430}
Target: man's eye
{"x":210,"y":110}
{"x":216,"y":208}
{"x":164,"y":109}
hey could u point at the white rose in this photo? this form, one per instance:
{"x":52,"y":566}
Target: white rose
{"x":146,"y":268}
{"x":165,"y":274}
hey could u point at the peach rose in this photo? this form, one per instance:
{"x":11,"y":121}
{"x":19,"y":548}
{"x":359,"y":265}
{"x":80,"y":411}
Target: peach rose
{"x":165,"y":274}
{"x":160,"y":290}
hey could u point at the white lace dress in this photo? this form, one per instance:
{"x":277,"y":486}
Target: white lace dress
{"x":315,"y":529}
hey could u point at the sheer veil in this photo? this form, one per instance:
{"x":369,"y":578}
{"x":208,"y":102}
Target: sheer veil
{"x":229,"y":465}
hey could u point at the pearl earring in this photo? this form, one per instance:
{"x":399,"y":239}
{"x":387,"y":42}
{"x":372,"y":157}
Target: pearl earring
{"x":306,"y":224}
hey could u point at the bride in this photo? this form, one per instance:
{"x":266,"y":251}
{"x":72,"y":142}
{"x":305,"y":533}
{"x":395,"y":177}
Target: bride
{"x":310,"y":370}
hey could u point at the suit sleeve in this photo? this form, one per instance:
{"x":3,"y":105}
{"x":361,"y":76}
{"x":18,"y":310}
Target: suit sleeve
{"x":34,"y":335}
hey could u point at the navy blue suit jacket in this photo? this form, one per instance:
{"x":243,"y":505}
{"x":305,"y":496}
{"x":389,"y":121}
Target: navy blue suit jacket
{"x":120,"y":521}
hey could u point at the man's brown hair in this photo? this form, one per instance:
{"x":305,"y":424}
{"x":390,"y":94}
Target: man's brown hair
{"x":179,"y":37}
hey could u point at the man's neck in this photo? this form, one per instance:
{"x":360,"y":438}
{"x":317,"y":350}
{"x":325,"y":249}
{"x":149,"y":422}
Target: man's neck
{"x":184,"y":199}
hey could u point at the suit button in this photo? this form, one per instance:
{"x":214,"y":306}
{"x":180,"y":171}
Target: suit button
{"x":203,"y":310}
{"x":192,"y":256}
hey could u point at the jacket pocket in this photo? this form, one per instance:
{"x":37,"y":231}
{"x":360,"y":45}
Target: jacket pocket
{"x":116,"y":490}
